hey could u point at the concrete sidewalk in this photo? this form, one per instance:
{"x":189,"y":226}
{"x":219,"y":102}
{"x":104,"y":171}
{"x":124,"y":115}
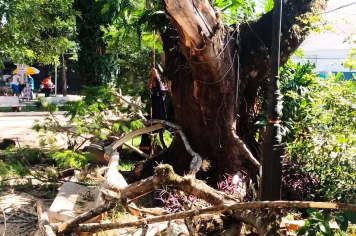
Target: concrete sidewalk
{"x":28,"y":113}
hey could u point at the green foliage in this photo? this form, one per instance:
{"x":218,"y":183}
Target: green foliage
{"x":95,"y":64}
{"x":235,"y":11}
{"x":319,"y":128}
{"x":350,"y":63}
{"x":12,"y":169}
{"x":295,"y":81}
{"x":267,"y":5}
{"x":318,"y":222}
{"x":325,"y":143}
{"x":32,"y":155}
{"x":96,"y":114}
{"x":35,"y":29}
{"x":70,"y":158}
{"x":167,"y":136}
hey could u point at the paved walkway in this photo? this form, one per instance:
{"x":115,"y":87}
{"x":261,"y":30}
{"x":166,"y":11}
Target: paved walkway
{"x":18,"y":126}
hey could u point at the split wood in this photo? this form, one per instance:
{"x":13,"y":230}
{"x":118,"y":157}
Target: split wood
{"x":43,"y":221}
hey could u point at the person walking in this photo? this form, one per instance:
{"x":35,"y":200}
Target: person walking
{"x":16,"y":85}
{"x":32,"y":85}
{"x":47,"y":85}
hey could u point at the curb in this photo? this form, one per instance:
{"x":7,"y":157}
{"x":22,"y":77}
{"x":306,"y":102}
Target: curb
{"x":29,"y":113}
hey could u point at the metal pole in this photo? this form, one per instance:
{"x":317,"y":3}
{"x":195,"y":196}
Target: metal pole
{"x":55,"y":79}
{"x":272,"y":150}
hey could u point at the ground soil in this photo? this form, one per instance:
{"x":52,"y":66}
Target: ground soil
{"x":19,"y":208}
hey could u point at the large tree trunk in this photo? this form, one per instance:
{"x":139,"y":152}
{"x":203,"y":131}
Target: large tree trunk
{"x":213,"y":73}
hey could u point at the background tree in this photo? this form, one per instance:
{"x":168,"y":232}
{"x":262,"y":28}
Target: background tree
{"x":96,"y":65}
{"x":35,"y":30}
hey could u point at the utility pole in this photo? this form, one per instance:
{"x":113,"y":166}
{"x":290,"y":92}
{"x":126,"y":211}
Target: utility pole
{"x":272,"y":149}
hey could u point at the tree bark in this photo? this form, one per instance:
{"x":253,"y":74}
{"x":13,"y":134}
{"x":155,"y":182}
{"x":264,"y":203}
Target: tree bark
{"x":64,"y":76}
{"x":213,"y":73}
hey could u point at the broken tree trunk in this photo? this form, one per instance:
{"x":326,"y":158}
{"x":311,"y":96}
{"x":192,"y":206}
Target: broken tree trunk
{"x":214,"y":73}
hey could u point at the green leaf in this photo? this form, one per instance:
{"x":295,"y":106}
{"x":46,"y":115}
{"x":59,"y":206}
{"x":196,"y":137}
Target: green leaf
{"x":325,"y":228}
{"x":302,"y":230}
{"x":115,"y":127}
{"x":350,"y":216}
{"x":338,"y":217}
{"x":342,"y":221}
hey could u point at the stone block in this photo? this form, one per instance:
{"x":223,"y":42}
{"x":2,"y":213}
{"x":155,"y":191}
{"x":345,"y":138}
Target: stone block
{"x":9,"y":101}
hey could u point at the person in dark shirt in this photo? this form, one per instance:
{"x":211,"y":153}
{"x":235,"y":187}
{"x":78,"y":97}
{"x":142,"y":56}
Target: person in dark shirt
{"x":158,"y":96}
{"x":158,"y":106}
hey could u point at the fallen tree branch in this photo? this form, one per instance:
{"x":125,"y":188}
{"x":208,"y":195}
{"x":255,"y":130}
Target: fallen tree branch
{"x":164,"y":175}
{"x":93,"y":227}
{"x":196,"y":162}
{"x":73,"y":223}
{"x":247,"y":217}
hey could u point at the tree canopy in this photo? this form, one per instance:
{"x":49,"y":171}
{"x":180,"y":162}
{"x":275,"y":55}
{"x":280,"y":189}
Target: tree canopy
{"x":36,"y":30}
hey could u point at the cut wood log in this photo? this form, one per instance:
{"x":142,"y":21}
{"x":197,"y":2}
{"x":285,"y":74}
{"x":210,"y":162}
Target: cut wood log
{"x":43,"y":221}
{"x":113,"y":176}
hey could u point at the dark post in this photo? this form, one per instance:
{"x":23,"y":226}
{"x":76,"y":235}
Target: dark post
{"x":272,"y":150}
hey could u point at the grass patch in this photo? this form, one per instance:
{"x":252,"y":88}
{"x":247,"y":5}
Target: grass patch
{"x":23,"y":109}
